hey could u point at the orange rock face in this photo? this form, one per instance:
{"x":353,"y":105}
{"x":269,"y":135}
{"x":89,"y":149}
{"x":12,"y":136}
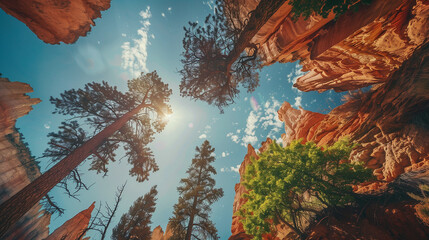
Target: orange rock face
{"x":237,"y":227}
{"x":389,"y":122}
{"x":74,"y":227}
{"x":159,"y":234}
{"x":17,"y":166}
{"x":357,"y":50}
{"x":55,"y":21}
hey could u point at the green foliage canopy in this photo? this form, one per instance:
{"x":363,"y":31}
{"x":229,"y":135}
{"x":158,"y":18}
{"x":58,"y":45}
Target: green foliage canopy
{"x":306,"y":8}
{"x":292,"y":183}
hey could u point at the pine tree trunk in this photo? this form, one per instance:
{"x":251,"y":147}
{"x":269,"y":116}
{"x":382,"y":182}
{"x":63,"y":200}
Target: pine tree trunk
{"x":262,"y":13}
{"x":191,"y":220}
{"x":16,"y":206}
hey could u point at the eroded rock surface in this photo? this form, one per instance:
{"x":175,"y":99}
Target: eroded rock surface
{"x":55,"y":21}
{"x":17,"y":166}
{"x":73,"y":228}
{"x":357,"y":50}
{"x":390,"y":122}
{"x":159,"y":234}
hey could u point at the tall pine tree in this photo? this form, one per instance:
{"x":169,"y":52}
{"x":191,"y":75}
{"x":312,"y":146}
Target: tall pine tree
{"x":197,"y":194}
{"x":136,"y":223}
{"x":117,"y":119}
{"x":214,"y":59}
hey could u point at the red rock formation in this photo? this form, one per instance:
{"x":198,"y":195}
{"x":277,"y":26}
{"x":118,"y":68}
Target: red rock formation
{"x":237,"y":227}
{"x":55,"y":21}
{"x":378,"y":221}
{"x":159,"y":234}
{"x":359,"y":49}
{"x":17,"y":166}
{"x":73,"y":228}
{"x":389,"y":122}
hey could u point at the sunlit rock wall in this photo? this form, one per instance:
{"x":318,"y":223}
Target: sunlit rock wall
{"x":390,"y":122}
{"x":159,"y":234}
{"x":75,"y":227}
{"x":55,"y":21}
{"x":17,"y":166}
{"x":358,"y":49}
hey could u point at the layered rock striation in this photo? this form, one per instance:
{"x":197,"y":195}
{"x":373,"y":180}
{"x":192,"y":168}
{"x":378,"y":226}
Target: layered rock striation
{"x":55,"y":21}
{"x":356,"y":50}
{"x":17,"y":166}
{"x":390,"y":122}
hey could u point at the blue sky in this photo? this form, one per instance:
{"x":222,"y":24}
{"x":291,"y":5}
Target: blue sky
{"x":134,"y":36}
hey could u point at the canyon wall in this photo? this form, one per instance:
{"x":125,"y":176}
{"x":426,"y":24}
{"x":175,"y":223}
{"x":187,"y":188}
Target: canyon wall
{"x":356,"y":50}
{"x":383,"y":45}
{"x":55,"y":21}
{"x":17,"y":167}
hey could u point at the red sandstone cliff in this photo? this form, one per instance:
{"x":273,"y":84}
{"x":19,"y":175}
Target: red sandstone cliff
{"x":390,"y":122}
{"x":359,"y":49}
{"x":17,"y":167}
{"x":73,"y":228}
{"x":55,"y":21}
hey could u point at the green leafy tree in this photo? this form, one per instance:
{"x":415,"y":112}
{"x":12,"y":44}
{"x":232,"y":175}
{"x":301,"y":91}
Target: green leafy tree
{"x":214,"y":59}
{"x":306,"y":8}
{"x":289,"y":185}
{"x":136,"y":223}
{"x":197,"y":194}
{"x":116,"y":119}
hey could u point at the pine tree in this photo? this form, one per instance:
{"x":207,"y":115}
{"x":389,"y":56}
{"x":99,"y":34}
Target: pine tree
{"x":117,"y":119}
{"x":215,"y":61}
{"x":197,"y":194}
{"x":136,"y":223}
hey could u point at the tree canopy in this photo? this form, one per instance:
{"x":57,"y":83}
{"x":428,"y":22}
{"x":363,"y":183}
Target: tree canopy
{"x":290,"y":185}
{"x":214,"y":60}
{"x":197,"y":194}
{"x":98,"y":105}
{"x":306,"y":8}
{"x":136,"y":223}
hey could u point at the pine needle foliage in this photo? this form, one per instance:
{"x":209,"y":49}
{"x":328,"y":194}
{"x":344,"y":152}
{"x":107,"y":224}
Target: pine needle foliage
{"x":306,"y":8}
{"x":96,"y":106}
{"x":197,"y":193}
{"x":289,"y":184}
{"x":136,"y":223}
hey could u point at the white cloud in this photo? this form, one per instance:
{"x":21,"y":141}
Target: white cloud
{"x":47,"y":126}
{"x":152,"y":36}
{"x":124,"y":35}
{"x":163,"y":15}
{"x":250,"y":137}
{"x":236,"y":169}
{"x":225,"y":154}
{"x":231,"y":169}
{"x":134,"y":55}
{"x":169,"y":9}
{"x":202,"y":136}
{"x":297,"y":101}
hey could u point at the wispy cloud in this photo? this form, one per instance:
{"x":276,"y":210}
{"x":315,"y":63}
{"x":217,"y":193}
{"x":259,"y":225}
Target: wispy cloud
{"x":231,"y":169}
{"x":134,"y":54}
{"x":202,"y":136}
{"x":297,"y":102}
{"x":163,"y":15}
{"x":169,"y":9}
{"x":259,"y":119}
